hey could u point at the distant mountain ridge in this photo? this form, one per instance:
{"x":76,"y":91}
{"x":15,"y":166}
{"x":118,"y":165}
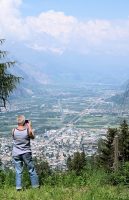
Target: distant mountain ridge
{"x":31,"y":80}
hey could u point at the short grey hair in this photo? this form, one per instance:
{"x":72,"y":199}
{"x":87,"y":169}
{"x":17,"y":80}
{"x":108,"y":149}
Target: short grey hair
{"x":21,"y":119}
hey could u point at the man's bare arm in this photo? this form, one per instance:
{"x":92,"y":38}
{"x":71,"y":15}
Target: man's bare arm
{"x":30,"y":130}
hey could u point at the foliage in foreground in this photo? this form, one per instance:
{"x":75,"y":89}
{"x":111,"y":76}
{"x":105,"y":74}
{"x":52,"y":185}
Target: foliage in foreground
{"x":70,"y":187}
{"x":106,"y":147}
{"x":8,"y":81}
{"x":73,"y":193}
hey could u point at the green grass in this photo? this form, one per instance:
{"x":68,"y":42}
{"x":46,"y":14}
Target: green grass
{"x":63,"y":193}
{"x":90,"y":185}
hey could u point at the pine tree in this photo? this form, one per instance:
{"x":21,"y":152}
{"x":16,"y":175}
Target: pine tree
{"x":124,"y":141}
{"x":83,"y":159}
{"x":43,"y":169}
{"x":8,"y":81}
{"x":77,"y":163}
{"x":69,"y":163}
{"x":105,"y":149}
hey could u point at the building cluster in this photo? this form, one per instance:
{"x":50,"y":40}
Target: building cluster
{"x":55,"y":146}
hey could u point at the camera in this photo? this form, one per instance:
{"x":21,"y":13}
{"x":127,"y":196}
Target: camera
{"x":26,"y":121}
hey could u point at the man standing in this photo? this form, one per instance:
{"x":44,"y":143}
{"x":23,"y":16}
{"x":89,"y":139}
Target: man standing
{"x":22,"y":151}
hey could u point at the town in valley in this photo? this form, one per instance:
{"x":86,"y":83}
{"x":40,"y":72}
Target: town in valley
{"x":65,"y":120}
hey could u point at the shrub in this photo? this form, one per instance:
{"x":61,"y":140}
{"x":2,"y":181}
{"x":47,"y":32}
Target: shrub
{"x":121,"y":176}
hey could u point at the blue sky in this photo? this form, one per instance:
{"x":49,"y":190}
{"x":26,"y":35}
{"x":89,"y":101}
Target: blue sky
{"x":83,"y":9}
{"x":68,"y":34}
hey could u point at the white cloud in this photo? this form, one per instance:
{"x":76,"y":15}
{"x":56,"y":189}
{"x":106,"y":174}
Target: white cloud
{"x":52,"y":23}
{"x":11,"y":22}
{"x":56,"y":32}
{"x":46,"y":48}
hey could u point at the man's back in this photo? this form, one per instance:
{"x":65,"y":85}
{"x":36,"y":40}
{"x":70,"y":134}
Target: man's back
{"x":21,"y":142}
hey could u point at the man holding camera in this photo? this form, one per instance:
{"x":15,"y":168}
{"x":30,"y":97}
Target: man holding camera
{"x":22,"y":151}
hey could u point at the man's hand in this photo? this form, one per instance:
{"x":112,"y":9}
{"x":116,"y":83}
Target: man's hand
{"x":30,"y":130}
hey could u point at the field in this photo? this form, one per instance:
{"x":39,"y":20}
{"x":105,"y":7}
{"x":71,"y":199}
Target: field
{"x":87,"y":106}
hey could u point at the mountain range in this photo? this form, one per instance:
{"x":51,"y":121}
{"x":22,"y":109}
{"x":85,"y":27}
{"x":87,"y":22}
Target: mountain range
{"x":43,"y":68}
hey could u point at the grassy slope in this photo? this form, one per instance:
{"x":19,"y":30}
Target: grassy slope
{"x":62,"y":193}
{"x":92,"y":185}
